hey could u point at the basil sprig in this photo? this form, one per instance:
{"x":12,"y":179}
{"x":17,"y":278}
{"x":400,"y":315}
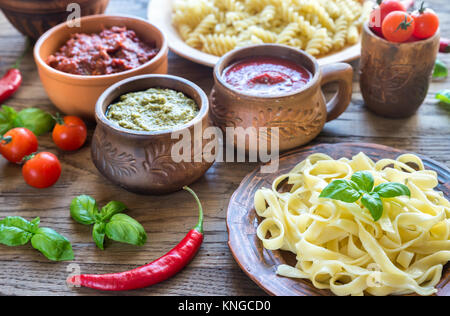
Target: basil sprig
{"x":361,"y":186}
{"x":444,"y":96}
{"x":108,"y":222}
{"x":440,"y":69}
{"x":36,"y":120}
{"x":17,"y":231}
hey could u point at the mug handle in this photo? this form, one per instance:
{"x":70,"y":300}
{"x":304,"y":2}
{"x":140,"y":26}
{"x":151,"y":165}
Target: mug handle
{"x":342,"y":74}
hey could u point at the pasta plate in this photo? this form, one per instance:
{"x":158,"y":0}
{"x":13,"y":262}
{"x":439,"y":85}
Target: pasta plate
{"x":261,"y":264}
{"x":159,"y":12}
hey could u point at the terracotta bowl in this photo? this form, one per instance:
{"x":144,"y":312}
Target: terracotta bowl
{"x":299,"y":115}
{"x":142,"y":162}
{"x":77,"y":95}
{"x":33,"y":18}
{"x":395,"y":76}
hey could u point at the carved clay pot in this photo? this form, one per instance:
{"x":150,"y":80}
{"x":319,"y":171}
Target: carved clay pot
{"x":300,"y":115}
{"x":33,"y":18}
{"x":395,"y":76}
{"x":142,"y":161}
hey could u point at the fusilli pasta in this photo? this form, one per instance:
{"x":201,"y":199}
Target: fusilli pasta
{"x":316,"y":26}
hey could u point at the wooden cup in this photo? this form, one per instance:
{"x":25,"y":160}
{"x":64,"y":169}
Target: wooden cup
{"x":299,"y":115}
{"x":395,"y":76}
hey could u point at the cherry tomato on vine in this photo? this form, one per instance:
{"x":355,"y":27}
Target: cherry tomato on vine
{"x":18,"y":143}
{"x":41,"y":170}
{"x":398,"y":27}
{"x":379,"y":14}
{"x":69,"y":133}
{"x":427,"y":22}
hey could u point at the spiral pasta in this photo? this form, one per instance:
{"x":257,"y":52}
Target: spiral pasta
{"x":317,"y":26}
{"x":339,"y":246}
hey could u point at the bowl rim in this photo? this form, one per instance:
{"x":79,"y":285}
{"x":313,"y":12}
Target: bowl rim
{"x":43,"y":7}
{"x":44,"y":37}
{"x":221,"y":67}
{"x":100,"y":115}
{"x":369,"y":32}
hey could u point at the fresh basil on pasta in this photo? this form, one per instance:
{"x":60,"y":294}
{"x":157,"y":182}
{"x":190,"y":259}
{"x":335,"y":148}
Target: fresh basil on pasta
{"x":338,"y":244}
{"x":316,"y":26}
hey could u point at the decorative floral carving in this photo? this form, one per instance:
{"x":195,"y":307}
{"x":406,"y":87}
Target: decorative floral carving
{"x":111,"y":161}
{"x":291,"y":122}
{"x":387,"y":81}
{"x":221,"y":116}
{"x":159,"y":161}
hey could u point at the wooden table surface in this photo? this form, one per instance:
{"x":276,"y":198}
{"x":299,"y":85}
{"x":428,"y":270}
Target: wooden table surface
{"x":24,"y":271}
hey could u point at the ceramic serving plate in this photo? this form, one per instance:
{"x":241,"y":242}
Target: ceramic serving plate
{"x":261,"y":264}
{"x":159,"y":12}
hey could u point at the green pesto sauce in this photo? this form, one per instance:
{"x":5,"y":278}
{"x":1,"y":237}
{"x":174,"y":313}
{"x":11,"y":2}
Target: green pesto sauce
{"x":152,"y":110}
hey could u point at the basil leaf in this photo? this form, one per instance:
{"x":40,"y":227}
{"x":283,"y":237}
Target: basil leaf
{"x":123,"y":228}
{"x":16,"y":231}
{"x":7,"y":116}
{"x":444,"y":96}
{"x":111,"y":209}
{"x":34,"y":225}
{"x":52,"y":245}
{"x":16,"y":221}
{"x":364,"y":180}
{"x":13,"y":236}
{"x":390,"y":190}
{"x":342,"y":190}
{"x":83,"y":209}
{"x":98,"y":233}
{"x":440,"y":69}
{"x":374,"y":204}
{"x":36,"y":120}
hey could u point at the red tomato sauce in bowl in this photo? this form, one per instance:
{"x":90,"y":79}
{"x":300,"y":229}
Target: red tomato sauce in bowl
{"x":267,"y":76}
{"x":111,"y":51}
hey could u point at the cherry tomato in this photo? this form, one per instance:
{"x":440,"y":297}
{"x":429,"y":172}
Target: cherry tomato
{"x":18,"y":143}
{"x":379,"y":14}
{"x":69,"y":133}
{"x":42,"y":170}
{"x":398,"y":27}
{"x":427,"y":22}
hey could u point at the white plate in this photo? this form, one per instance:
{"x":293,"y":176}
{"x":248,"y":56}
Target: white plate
{"x":159,"y":12}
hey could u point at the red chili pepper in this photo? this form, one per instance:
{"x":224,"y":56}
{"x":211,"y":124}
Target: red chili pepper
{"x":12,"y":80}
{"x":445,"y":45}
{"x":154,"y":272}
{"x":9,"y":84}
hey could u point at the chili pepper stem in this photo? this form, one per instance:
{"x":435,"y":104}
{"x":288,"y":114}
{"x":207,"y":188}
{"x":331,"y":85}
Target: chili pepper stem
{"x":199,"y":226}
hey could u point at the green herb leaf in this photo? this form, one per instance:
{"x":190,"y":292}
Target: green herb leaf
{"x":373,"y":203}
{"x":98,"y":233}
{"x":440,"y":69}
{"x":390,"y":190}
{"x":111,"y":209}
{"x":7,"y":116}
{"x":364,"y":180}
{"x":342,"y":190}
{"x":52,"y":245}
{"x":83,"y":209}
{"x":36,"y":120}
{"x":34,"y":225}
{"x":123,"y":228}
{"x":16,"y":221}
{"x":15,"y":231}
{"x":444,"y":96}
